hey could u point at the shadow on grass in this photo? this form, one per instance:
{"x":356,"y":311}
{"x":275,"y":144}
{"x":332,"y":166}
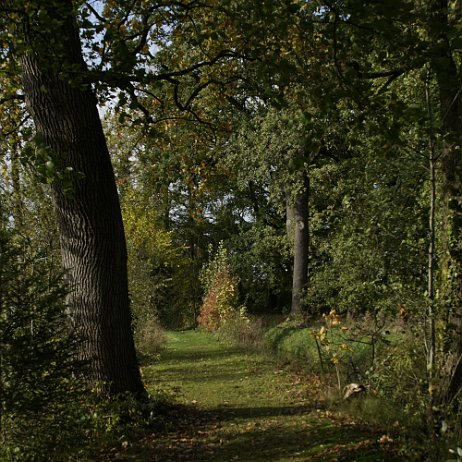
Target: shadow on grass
{"x":193,"y":357}
{"x":186,"y":375}
{"x":253,"y":432}
{"x":211,"y":436}
{"x":225,"y":414}
{"x":320,"y":444}
{"x":172,"y":355}
{"x":314,"y":441}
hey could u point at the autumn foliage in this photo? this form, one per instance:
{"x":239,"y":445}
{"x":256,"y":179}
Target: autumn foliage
{"x":220,"y":303}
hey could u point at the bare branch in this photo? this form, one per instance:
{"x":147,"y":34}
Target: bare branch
{"x":95,"y":13}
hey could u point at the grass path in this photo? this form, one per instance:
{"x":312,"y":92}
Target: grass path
{"x":244,"y":408}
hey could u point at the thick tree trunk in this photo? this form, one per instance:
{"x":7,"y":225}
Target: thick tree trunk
{"x":86,"y":203}
{"x":298,"y":215}
{"x":449,"y":84}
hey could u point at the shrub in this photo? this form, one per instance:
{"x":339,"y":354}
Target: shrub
{"x":389,"y":360}
{"x":399,"y":376}
{"x":40,"y":389}
{"x":46,"y":410}
{"x":221,"y":293}
{"x":149,"y":337}
{"x":243,"y":330}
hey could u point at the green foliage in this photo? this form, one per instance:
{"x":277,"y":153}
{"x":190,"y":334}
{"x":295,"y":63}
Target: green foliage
{"x":335,"y":91}
{"x":271,"y":148}
{"x":40,"y":385}
{"x":46,"y":410}
{"x":48,"y":166}
{"x":261,"y":257}
{"x":399,"y":376}
{"x":116,"y":420}
{"x":386,"y":360}
{"x":152,"y":260}
{"x":175,"y":188}
{"x":369,"y":243}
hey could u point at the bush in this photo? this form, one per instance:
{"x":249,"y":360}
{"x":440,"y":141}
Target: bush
{"x":46,"y":410}
{"x":387,"y":360}
{"x":149,"y":337}
{"x":221,"y":293}
{"x":243,"y":330}
{"x":40,"y":389}
{"x":354,"y":351}
{"x":399,"y":376}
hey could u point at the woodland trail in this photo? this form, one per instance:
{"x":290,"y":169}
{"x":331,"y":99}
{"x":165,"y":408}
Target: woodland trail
{"x":240,"y":406}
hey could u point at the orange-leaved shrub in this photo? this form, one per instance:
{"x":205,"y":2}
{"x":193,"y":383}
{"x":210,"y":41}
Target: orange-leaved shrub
{"x":220,"y":301}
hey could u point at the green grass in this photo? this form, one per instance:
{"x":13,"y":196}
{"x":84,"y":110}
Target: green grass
{"x":237,"y":405}
{"x":298,"y":345}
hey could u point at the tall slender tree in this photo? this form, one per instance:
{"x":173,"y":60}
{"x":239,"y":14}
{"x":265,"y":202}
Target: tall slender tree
{"x":300,"y":215}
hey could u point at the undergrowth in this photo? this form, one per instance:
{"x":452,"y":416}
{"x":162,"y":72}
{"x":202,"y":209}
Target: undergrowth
{"x":47,"y":410}
{"x":150,"y":338}
{"x":385,"y":355}
{"x":387,"y":358}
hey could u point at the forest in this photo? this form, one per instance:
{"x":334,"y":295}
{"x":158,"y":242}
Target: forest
{"x":281,"y":175}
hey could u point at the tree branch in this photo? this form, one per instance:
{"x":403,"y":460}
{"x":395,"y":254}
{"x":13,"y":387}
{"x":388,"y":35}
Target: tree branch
{"x":393,"y":74}
{"x":122,"y":80}
{"x":7,"y":99}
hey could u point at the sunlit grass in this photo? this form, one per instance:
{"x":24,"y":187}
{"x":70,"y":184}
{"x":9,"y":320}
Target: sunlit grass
{"x":253,"y":409}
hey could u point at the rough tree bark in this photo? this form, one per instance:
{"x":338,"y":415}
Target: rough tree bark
{"x":297,"y":219}
{"x":92,"y":238}
{"x":449,"y":83}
